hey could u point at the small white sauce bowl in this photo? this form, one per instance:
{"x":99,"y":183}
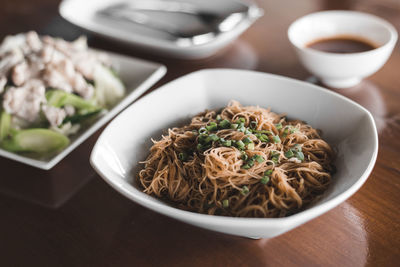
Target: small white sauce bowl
{"x":342,"y":70}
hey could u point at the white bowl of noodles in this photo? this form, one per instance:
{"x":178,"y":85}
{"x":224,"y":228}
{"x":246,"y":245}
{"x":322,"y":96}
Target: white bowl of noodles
{"x":345,"y":125}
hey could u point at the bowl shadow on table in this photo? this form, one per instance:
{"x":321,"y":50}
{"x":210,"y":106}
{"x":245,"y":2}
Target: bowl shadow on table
{"x":49,"y":188}
{"x":166,"y":242}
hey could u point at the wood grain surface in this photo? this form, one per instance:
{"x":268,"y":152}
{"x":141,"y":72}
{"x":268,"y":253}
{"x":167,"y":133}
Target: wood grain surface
{"x":98,"y":227}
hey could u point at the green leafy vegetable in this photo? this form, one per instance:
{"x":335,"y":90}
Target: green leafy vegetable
{"x":59,"y":98}
{"x":5,"y":122}
{"x":35,"y":140}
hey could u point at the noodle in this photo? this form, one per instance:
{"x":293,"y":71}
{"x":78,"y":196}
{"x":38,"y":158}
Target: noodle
{"x":241,"y":161}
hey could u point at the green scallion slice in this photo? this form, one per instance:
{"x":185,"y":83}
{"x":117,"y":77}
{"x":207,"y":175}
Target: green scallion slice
{"x":250,"y":162}
{"x":289,"y":153}
{"x":300,"y":155}
{"x":241,"y":120}
{"x":203,"y":138}
{"x":276,"y":139}
{"x":212,"y":126}
{"x":264,"y":180}
{"x":297,"y":147}
{"x":247,"y":140}
{"x":246,"y":166}
{"x":263,"y":138}
{"x":225,"y":124}
{"x":258,"y":158}
{"x":268,"y":172}
{"x":227,"y":143}
{"x":278,"y":126}
{"x":240,"y":144}
{"x":225,"y":203}
{"x":202,"y":130}
{"x":213,"y":137}
{"x":245,"y":190}
{"x":182,"y":156}
{"x":250,"y":146}
{"x":234,"y":126}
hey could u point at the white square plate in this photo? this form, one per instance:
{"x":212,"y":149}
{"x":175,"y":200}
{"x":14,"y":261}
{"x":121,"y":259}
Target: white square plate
{"x":136,"y":74}
{"x":346,"y":125}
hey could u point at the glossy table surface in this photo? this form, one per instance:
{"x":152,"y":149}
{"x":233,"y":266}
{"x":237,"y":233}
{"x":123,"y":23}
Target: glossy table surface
{"x":95,"y":226}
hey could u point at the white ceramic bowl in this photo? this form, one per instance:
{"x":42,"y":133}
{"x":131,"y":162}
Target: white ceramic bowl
{"x":83,"y":14}
{"x":137,"y":75}
{"x":346,"y":125}
{"x":342,"y":70}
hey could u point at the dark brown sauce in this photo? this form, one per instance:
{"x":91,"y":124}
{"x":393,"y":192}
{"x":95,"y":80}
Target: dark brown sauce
{"x":342,"y":44}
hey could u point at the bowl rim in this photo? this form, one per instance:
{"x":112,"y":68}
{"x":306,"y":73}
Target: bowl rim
{"x":387,"y":25}
{"x":125,"y":188}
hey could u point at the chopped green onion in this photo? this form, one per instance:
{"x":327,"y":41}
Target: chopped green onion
{"x":245,"y":190}
{"x":293,"y":130}
{"x":241,"y":127}
{"x":212,"y":126}
{"x":247,"y":140}
{"x":182,"y":156}
{"x":213,"y":137}
{"x":218,"y":118}
{"x":300,"y":155}
{"x":199,"y":147}
{"x":263,"y":132}
{"x":258,"y":158}
{"x":226,"y":143}
{"x":289,"y":153}
{"x":297,"y":147}
{"x":246,"y":166}
{"x":285,"y":132}
{"x":250,"y":162}
{"x":234,"y":126}
{"x":203,"y":138}
{"x":202,"y":130}
{"x":275,"y":157}
{"x":250,"y":146}
{"x":241,"y":120}
{"x":268,"y":172}
{"x":225,"y":124}
{"x":278,"y":126}
{"x":263,"y":138}
{"x":264,"y":180}
{"x":225,"y":203}
{"x":276,"y":139}
{"x":244,"y":156}
{"x":240,"y":144}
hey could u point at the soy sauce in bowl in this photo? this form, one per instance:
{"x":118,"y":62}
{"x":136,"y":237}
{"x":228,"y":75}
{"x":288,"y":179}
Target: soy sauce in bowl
{"x":342,"y":44}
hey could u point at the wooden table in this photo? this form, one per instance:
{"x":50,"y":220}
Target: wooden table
{"x":99,"y":227}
